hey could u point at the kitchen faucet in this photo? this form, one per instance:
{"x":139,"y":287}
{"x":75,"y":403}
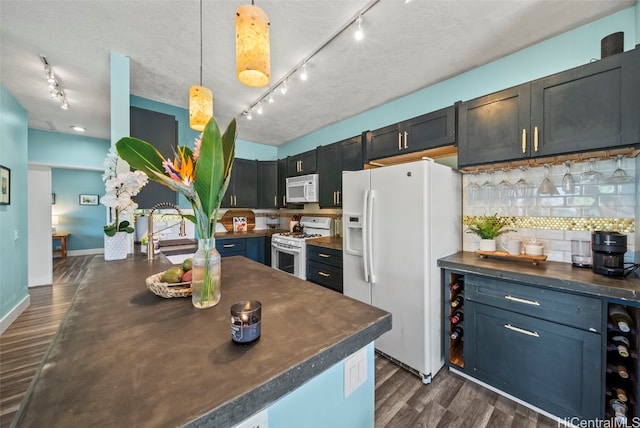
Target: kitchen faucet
{"x":150,"y":231}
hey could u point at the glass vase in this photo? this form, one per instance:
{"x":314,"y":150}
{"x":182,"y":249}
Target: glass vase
{"x":205,"y":283}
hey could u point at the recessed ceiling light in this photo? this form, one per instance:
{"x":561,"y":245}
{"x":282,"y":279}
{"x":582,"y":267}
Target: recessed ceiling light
{"x":78,"y":128}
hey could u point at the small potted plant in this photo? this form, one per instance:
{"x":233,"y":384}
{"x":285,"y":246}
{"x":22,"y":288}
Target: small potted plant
{"x":488,"y":228}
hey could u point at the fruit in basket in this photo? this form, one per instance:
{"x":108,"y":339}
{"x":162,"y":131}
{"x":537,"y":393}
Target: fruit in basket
{"x":173,"y":275}
{"x":187,"y":264}
{"x":187,"y":277}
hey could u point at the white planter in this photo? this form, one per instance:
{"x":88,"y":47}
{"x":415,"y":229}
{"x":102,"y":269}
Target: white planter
{"x":115,"y":247}
{"x":487,"y":245}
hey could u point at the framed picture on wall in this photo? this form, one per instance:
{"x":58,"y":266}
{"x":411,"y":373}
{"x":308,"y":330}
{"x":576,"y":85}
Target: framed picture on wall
{"x":88,"y":199}
{"x":5,"y":185}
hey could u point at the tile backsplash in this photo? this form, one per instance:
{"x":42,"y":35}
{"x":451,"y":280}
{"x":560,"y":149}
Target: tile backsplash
{"x":559,"y":215}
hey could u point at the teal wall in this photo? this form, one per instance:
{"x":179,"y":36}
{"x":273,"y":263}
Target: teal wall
{"x":560,"y":53}
{"x":67,"y":150}
{"x":83,"y":222}
{"x":13,"y":217}
{"x":186,"y":135}
{"x":302,"y":408}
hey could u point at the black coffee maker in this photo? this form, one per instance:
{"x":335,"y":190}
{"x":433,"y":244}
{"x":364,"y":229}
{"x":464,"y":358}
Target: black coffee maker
{"x":608,"y":250}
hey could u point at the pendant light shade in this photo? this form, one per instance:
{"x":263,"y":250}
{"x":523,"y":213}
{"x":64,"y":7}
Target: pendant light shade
{"x":253,"y":56}
{"x":200,"y":107}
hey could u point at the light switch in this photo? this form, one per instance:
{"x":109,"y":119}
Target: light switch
{"x":355,"y":371}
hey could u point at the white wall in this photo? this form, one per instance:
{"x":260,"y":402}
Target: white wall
{"x":39,"y":221}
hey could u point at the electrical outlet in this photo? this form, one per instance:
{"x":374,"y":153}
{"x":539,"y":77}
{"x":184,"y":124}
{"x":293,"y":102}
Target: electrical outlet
{"x":259,"y":420}
{"x":355,"y":371}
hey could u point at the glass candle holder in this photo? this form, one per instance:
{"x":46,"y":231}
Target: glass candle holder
{"x":246,"y":317}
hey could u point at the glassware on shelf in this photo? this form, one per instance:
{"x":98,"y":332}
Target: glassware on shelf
{"x":591,"y":176}
{"x":473,"y":188}
{"x":504,"y":189}
{"x":522,"y":187}
{"x":620,"y":175}
{"x":568,"y":183}
{"x":487,"y":190}
{"x":547,"y":188}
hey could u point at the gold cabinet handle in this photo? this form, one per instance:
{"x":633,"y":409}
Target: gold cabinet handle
{"x":399,"y":141}
{"x":326,"y":256}
{"x":522,"y":330}
{"x":338,"y":193}
{"x":524,"y":140}
{"x":334,"y":198}
{"x":525,"y":301}
{"x":406,"y":137}
{"x":535,"y":139}
{"x":284,"y":200}
{"x":275,"y":201}
{"x":326,"y":275}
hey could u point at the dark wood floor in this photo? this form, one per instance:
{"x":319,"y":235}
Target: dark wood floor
{"x":402,"y":401}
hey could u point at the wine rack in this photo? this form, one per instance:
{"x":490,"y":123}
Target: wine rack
{"x":622,"y":369}
{"x":455,"y":319}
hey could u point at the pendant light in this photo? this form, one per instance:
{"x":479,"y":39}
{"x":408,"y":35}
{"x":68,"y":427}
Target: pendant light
{"x":253,"y":55}
{"x":200,"y":98}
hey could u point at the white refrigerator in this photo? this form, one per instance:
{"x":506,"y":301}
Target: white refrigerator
{"x":397,"y":222}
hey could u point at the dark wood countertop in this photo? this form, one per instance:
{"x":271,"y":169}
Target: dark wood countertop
{"x":332,"y":242}
{"x":563,"y":276}
{"x":126,"y":357}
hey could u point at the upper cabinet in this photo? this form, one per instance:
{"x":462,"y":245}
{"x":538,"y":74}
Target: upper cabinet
{"x":302,"y":163}
{"x":334,"y":158}
{"x":592,"y":107}
{"x":424,"y":132}
{"x":160,"y":130}
{"x":242,"y":191}
{"x":267,"y":184}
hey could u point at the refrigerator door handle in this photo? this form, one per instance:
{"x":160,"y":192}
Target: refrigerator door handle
{"x":369,"y":233}
{"x":365,"y":245}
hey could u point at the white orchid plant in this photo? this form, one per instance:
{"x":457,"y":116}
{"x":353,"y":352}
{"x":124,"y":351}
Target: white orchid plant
{"x":120,"y":188}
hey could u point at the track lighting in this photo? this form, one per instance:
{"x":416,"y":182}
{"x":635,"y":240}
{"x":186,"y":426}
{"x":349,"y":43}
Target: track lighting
{"x":284,"y":88}
{"x":259,"y":109}
{"x":359,"y":34}
{"x":304,"y":75}
{"x":55,"y":90}
{"x":270,"y":99}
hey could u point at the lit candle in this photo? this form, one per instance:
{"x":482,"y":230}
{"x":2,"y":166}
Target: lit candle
{"x":246,"y":317}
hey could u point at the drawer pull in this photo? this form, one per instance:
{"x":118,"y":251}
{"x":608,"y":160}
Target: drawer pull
{"x":525,"y":301}
{"x":326,"y":256}
{"x":521,"y":330}
{"x":229,"y":245}
{"x":324,"y":274}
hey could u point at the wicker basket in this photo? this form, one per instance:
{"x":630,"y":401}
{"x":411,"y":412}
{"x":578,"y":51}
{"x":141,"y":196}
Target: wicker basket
{"x":162,"y":289}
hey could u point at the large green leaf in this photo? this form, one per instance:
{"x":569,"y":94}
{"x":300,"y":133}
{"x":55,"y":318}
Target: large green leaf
{"x":214,"y":164}
{"x":142,"y":156}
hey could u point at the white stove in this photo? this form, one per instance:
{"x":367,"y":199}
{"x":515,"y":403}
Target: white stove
{"x":289,"y":250}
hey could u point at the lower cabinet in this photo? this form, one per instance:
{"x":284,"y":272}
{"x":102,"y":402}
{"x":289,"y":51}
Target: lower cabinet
{"x":251,"y":248}
{"x":541,"y":345}
{"x":324,"y":267}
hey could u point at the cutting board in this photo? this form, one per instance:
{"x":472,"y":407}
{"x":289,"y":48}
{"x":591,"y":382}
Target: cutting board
{"x":227,"y":219}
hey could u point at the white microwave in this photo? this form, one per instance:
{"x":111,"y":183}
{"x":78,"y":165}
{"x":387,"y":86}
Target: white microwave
{"x":303,"y":188}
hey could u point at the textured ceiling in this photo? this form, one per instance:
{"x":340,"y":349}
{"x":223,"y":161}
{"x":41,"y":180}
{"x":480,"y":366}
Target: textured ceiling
{"x":161,"y":38}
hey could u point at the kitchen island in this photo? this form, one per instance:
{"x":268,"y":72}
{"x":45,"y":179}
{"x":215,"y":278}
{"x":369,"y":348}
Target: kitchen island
{"x":126,"y":357}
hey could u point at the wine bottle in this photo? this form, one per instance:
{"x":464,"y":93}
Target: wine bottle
{"x":458,"y":284}
{"x":458,"y":332}
{"x":620,"y":411}
{"x":619,"y":368}
{"x":620,"y":317}
{"x":620,"y":341}
{"x":619,"y":391}
{"x":458,"y":300}
{"x":457,"y":316}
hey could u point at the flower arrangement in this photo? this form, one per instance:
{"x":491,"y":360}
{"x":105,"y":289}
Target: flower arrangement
{"x":120,"y":188}
{"x":489,"y":227}
{"x":200,"y":175}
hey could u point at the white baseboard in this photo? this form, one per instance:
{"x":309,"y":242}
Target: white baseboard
{"x":14,"y":313}
{"x":86,"y":252}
